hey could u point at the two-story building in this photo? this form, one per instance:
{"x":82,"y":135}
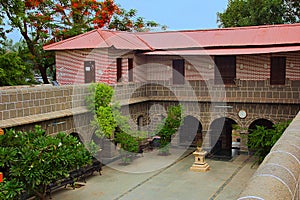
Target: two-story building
{"x":245,"y":76}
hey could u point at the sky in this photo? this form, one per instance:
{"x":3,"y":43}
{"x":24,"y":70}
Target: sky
{"x":175,"y":14}
{"x":178,"y":14}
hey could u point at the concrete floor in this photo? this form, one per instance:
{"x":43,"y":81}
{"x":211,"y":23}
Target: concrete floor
{"x":164,"y":177}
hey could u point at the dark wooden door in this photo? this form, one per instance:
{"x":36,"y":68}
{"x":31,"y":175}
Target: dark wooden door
{"x":89,"y":71}
{"x":278,"y":70}
{"x":178,"y":72}
{"x":130,"y":70}
{"x":119,"y":69}
{"x":225,"y":70}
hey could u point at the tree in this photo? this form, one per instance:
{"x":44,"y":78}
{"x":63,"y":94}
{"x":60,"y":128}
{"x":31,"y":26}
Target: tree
{"x":109,"y":123}
{"x":15,"y":64}
{"x":261,"y":139}
{"x":42,"y":22}
{"x":32,"y":160}
{"x":259,"y":12}
{"x":169,"y":127}
{"x":99,"y":103}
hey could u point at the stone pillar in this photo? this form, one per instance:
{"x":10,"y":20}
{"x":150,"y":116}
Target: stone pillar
{"x":206,"y":144}
{"x":243,"y":143}
{"x":109,"y":151}
{"x":200,"y":165}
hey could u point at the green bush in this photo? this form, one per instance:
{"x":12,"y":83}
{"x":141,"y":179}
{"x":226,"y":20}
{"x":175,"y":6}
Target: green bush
{"x":261,"y":139}
{"x":33,"y":160}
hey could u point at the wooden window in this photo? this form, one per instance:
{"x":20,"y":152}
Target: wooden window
{"x":278,"y":70}
{"x":178,"y":72}
{"x":89,"y":71}
{"x":130,"y":69}
{"x":119,"y":69}
{"x":225,"y":70}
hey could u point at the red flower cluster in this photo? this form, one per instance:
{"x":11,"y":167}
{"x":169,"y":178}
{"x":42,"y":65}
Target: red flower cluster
{"x":33,"y":3}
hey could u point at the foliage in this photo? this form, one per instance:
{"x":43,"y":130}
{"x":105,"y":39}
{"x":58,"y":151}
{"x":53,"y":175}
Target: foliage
{"x":104,"y":122}
{"x":33,"y":160}
{"x":261,"y":139}
{"x":129,"y":145}
{"x":13,"y":71}
{"x":169,"y":127}
{"x":259,"y":12}
{"x":99,"y":102}
{"x":100,"y":95}
{"x":108,"y":121}
{"x":42,"y":22}
{"x":10,"y":189}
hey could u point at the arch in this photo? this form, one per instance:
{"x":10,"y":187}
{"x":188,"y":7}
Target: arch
{"x":76,"y":135}
{"x":190,"y":133}
{"x":260,"y":122}
{"x":140,"y":122}
{"x":221,"y":137}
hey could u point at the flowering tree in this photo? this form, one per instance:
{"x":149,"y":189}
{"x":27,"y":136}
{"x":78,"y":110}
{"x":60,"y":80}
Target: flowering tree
{"x":42,"y":22}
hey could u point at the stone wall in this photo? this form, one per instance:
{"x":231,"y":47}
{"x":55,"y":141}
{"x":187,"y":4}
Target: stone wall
{"x":41,"y":104}
{"x":278,"y":177}
{"x":52,"y":106}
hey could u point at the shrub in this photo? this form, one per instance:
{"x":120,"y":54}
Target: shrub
{"x":33,"y":160}
{"x":261,"y":139}
{"x":169,"y":127}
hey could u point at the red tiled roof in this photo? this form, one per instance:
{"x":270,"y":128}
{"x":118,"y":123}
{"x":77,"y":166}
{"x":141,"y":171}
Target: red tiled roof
{"x":269,"y":35}
{"x":100,"y":39}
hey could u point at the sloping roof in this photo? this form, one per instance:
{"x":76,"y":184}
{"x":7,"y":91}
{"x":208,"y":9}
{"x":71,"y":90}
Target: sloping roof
{"x":225,"y":51}
{"x":101,"y":39}
{"x":252,"y":36}
{"x":227,"y":37}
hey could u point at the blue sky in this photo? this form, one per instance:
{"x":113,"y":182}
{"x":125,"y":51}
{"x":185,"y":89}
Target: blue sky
{"x":178,"y":15}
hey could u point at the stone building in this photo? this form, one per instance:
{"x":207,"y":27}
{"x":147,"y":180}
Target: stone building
{"x":223,"y":77}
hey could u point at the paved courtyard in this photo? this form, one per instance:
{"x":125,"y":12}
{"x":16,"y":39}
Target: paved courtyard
{"x":164,"y":177}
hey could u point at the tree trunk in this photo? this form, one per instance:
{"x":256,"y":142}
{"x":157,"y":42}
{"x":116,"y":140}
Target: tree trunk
{"x":43,"y":74}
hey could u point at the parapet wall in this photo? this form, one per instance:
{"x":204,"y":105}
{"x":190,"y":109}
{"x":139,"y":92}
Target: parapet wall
{"x":25,"y":105}
{"x":278,"y":176}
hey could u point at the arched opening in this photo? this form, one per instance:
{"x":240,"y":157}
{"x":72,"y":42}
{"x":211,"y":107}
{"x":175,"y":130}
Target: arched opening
{"x":140,"y":122}
{"x":221,"y":138}
{"x":260,"y":122}
{"x":76,"y":135}
{"x":190,"y":133}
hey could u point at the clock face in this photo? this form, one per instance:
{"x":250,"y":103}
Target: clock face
{"x":242,"y":114}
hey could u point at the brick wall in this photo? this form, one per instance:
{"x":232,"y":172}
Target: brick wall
{"x":70,"y":68}
{"x":70,"y":65}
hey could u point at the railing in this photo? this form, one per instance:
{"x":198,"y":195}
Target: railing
{"x":278,"y":176}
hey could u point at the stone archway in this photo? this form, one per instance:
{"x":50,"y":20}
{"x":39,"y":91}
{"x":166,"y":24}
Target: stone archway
{"x":221,"y":137}
{"x":190,"y":133}
{"x":260,"y":122}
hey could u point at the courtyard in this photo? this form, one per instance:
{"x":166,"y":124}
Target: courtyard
{"x":170,"y":179}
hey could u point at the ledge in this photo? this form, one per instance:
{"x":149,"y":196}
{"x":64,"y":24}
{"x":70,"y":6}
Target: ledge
{"x":278,"y":176}
{"x":42,"y":117}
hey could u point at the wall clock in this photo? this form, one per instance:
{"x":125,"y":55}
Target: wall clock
{"x":242,"y":114}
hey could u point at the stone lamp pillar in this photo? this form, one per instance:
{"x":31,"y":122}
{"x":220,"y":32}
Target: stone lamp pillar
{"x":199,"y":165}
